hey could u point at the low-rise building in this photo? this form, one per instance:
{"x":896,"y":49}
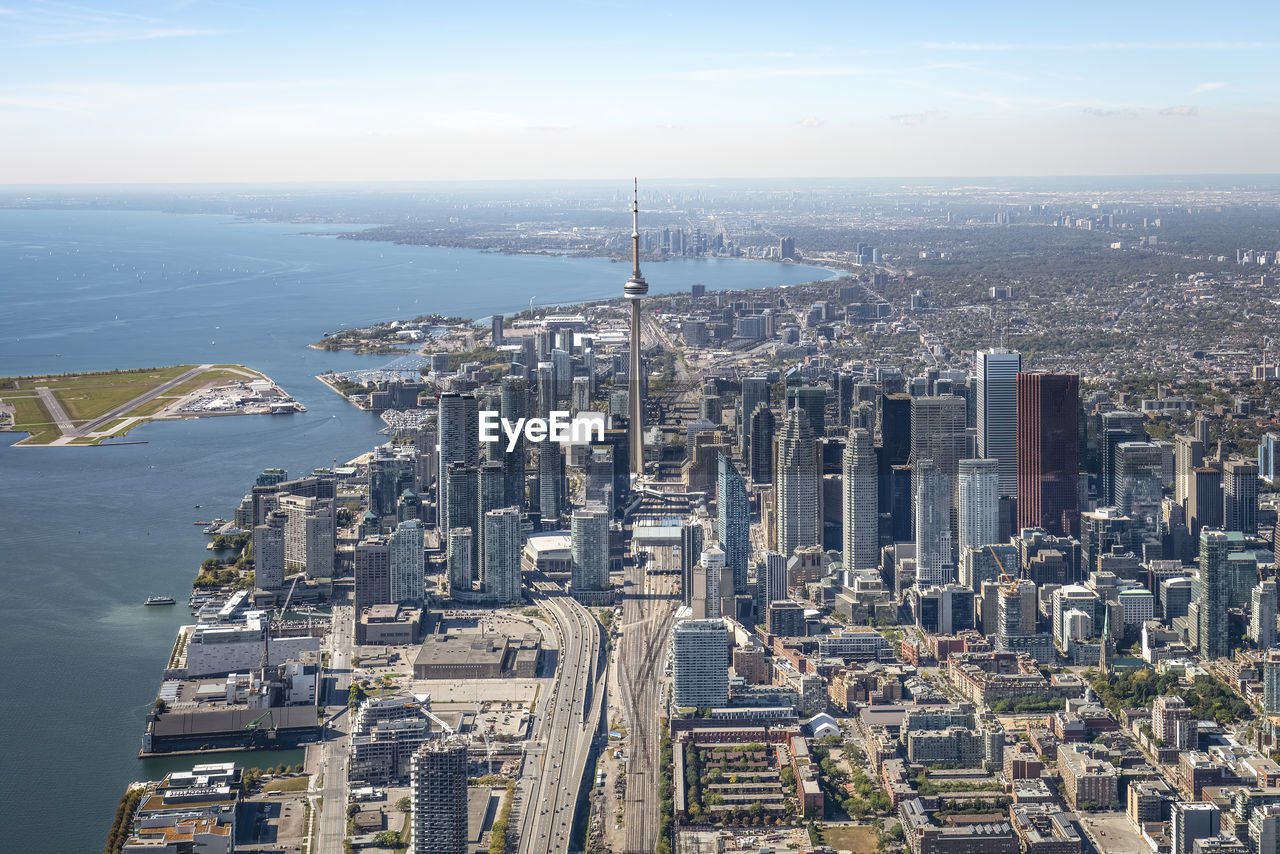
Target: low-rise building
{"x":1043,"y":829}
{"x":1088,"y":781}
{"x":924,"y":837}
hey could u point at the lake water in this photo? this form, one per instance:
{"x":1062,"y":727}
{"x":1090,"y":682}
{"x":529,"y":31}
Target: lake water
{"x":87,"y":533}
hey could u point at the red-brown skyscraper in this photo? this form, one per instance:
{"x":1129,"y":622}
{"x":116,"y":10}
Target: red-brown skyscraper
{"x":1049,"y":453}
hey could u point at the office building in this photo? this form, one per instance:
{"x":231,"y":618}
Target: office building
{"x":938,"y":433}
{"x":1048,"y":453}
{"x":997,"y":413}
{"x":503,"y":542}
{"x":798,"y":523}
{"x":589,"y":548}
{"x":438,"y":795}
{"x":700,"y":663}
{"x":861,"y":503}
{"x":755,"y":391}
{"x":693,"y":536}
{"x":812,"y":401}
{"x":1204,"y":501}
{"x":391,"y":471}
{"x":1138,"y":479}
{"x":408,"y":563}
{"x":1116,"y":427}
{"x":759,"y":447}
{"x":1268,"y":464}
{"x":733,"y":520}
{"x":1240,"y":496}
{"x":771,"y":581}
{"x":1213,"y":594}
{"x":1188,"y":455}
{"x":932,"y":490}
{"x":979,"y":508}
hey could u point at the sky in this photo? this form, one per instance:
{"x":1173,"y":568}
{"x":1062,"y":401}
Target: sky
{"x":366,"y":91}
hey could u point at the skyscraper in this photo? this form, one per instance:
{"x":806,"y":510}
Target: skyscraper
{"x":502,"y":545}
{"x":733,"y":520}
{"x":1204,"y":501}
{"x":550,"y":481}
{"x":461,"y":506}
{"x":861,"y":503}
{"x":491,"y":492}
{"x":438,"y":794}
{"x":514,"y":406}
{"x":938,"y":432}
{"x":589,"y":548}
{"x":460,"y":561}
{"x":997,"y":413}
{"x":797,"y":485}
{"x":1188,"y":455}
{"x":1214,"y":594}
{"x":693,"y":535}
{"x":979,"y":509}
{"x":755,"y":391}
{"x":1240,"y":496}
{"x":1139,"y":478}
{"x":1118,"y":426}
{"x":1262,"y":614}
{"x":408,"y":562}
{"x":310,"y":535}
{"x":771,"y":582}
{"x":1049,"y":453}
{"x":458,"y":428}
{"x":932,"y":489}
{"x":759,"y":447}
{"x":634,"y":289}
{"x":268,"y":552}
{"x":372,"y":559}
{"x":700,"y":663}
{"x":812,"y":400}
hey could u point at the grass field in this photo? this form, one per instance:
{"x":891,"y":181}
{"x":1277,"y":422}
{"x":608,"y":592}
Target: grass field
{"x":86,"y":397}
{"x":857,"y":838}
{"x":288,"y":784}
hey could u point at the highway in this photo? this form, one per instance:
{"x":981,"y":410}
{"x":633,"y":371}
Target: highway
{"x":647,"y":615}
{"x":570,"y":720}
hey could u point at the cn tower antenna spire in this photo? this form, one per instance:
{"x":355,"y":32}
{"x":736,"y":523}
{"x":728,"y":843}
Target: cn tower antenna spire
{"x":635,"y":288}
{"x":635,"y":230}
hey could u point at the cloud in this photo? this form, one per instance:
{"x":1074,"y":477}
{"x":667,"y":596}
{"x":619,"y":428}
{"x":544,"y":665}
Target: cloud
{"x":1180,"y":110}
{"x":1207,"y":87}
{"x":1100,"y":112}
{"x":912,"y":119}
{"x":810,"y":122}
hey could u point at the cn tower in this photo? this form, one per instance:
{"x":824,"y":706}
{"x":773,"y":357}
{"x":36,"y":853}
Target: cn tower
{"x":635,"y":288}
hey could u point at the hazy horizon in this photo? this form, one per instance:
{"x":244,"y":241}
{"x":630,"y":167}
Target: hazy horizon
{"x":205,"y":93}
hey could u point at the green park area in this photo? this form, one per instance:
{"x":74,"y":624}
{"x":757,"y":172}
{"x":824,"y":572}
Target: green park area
{"x":84,"y":398}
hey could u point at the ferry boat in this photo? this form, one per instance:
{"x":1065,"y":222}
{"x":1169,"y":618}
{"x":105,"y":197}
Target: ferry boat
{"x":160,"y":600}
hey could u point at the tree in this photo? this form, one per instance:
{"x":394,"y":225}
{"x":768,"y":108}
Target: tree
{"x":404,"y":805}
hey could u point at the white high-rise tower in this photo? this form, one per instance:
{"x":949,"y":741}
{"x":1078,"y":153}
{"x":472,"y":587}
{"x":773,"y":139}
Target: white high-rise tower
{"x":997,"y":412}
{"x":634,"y":289}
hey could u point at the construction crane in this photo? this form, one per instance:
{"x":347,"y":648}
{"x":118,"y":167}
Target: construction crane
{"x":257,"y":732}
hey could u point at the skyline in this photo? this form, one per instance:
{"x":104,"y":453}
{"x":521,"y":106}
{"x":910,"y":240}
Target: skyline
{"x":207,"y":92}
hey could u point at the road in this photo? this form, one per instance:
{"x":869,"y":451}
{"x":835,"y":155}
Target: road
{"x":332,"y":766}
{"x":569,"y":723}
{"x":647,"y":614}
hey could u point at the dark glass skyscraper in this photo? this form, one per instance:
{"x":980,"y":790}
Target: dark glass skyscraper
{"x":1049,"y":453}
{"x":733,"y":522}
